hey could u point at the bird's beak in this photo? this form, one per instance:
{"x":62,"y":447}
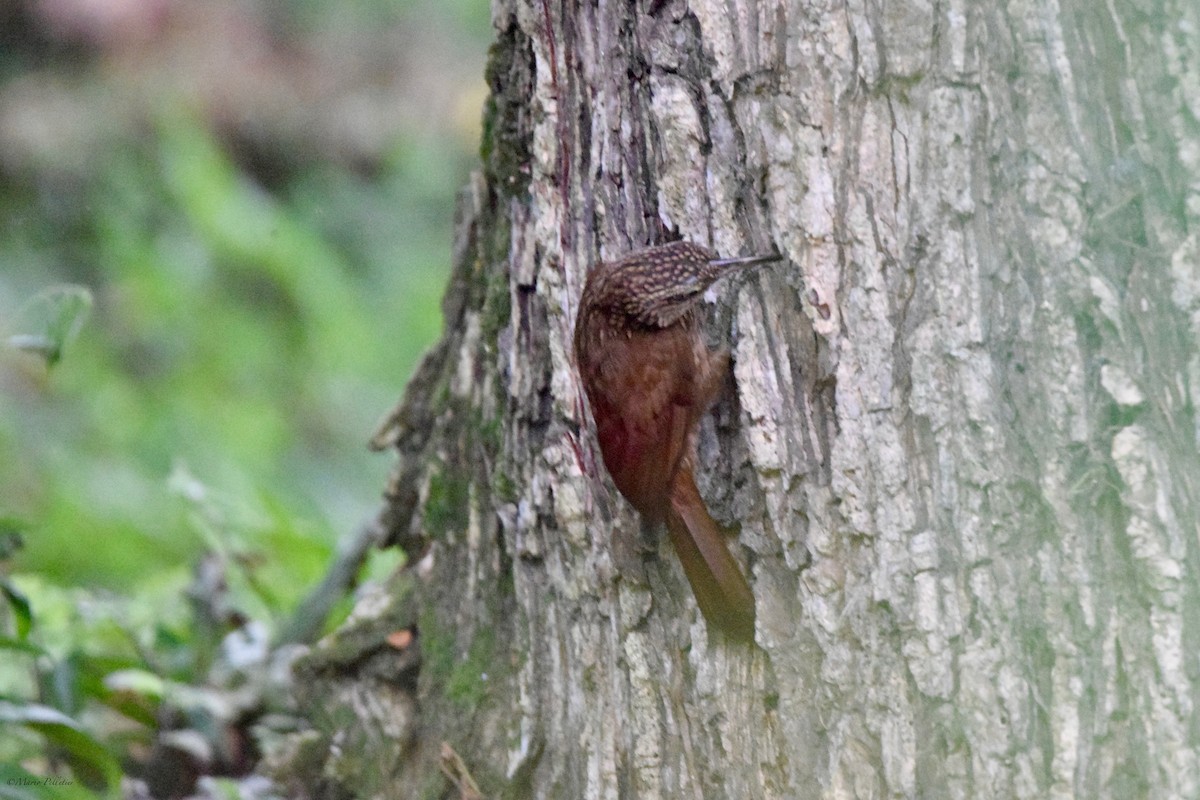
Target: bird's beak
{"x":745,"y":261}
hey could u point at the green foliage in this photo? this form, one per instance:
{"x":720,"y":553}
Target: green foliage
{"x":86,"y":756}
{"x":229,"y":340}
{"x":191,"y":363}
{"x":103,"y":681}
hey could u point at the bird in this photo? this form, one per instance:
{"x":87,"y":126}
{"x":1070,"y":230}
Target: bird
{"x":649,"y":378}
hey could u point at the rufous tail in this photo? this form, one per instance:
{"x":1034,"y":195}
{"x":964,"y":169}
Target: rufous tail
{"x":721,"y":592}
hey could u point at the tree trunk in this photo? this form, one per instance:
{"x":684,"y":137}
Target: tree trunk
{"x":957,"y":454}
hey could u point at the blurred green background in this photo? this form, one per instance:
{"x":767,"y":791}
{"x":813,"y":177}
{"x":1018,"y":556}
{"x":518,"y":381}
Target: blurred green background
{"x":255,"y":200}
{"x":258,"y":197}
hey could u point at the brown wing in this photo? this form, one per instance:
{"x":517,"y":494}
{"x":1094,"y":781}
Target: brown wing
{"x":642,"y":401}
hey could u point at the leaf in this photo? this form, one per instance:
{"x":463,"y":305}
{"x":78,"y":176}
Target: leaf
{"x":22,"y":611}
{"x":89,"y":758}
{"x":53,"y":318}
{"x":138,"y":681}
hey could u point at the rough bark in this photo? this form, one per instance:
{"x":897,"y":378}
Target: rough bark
{"x":958,"y":450}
